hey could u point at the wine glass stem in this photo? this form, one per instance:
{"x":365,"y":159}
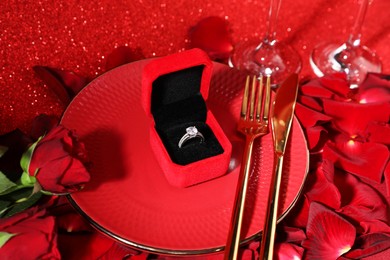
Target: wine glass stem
{"x":356,"y":33}
{"x":270,"y":36}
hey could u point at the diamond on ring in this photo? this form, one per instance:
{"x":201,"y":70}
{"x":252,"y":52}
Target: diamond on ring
{"x":191,"y":132}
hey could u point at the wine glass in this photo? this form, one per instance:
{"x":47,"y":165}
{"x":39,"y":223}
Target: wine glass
{"x":352,"y":58}
{"x":267,"y":57}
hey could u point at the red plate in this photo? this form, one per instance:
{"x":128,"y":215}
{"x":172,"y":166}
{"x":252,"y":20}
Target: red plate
{"x":128,"y":197}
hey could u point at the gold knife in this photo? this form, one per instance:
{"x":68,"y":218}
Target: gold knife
{"x":281,"y":118}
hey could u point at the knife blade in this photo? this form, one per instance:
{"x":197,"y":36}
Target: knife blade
{"x":283,"y":109}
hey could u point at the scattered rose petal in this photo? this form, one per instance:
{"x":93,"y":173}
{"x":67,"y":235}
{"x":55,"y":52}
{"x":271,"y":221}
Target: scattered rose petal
{"x":353,"y":118}
{"x":337,"y":83}
{"x":72,"y":222}
{"x":212,"y":34}
{"x":361,"y":203}
{"x":364,"y":159}
{"x":321,"y":187}
{"x":387,"y":178}
{"x":123,"y":55}
{"x":83,"y":245}
{"x":316,"y":137}
{"x":309,"y":117}
{"x":315,"y":89}
{"x":375,"y":226}
{"x":369,"y":245}
{"x":288,"y":251}
{"x":299,"y":213}
{"x":376,"y":88}
{"x":290,"y":234}
{"x":328,"y":234}
{"x":378,"y":133}
{"x":310,"y":102}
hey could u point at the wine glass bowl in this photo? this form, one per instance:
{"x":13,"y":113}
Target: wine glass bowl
{"x":266,"y":58}
{"x":350,"y":57}
{"x":354,"y":61}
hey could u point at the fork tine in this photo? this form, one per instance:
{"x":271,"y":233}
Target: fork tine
{"x":252,"y":101}
{"x":259,"y":98}
{"x":267,"y":99}
{"x":244,"y":105}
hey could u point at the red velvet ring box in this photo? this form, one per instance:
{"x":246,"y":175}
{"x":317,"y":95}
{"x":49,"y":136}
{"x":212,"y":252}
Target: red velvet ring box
{"x":174,"y":90}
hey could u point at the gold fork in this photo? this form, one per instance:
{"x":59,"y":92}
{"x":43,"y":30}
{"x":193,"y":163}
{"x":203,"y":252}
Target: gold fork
{"x":253,"y":124}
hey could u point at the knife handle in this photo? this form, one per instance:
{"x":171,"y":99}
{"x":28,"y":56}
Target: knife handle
{"x":268,"y":238}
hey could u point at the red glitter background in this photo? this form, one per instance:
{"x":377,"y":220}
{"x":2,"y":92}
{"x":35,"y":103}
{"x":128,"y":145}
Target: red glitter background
{"x":78,"y":36}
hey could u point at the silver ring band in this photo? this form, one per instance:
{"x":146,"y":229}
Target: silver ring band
{"x":191,"y":132}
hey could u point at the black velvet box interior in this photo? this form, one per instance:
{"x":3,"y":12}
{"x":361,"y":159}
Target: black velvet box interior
{"x":176,"y":104}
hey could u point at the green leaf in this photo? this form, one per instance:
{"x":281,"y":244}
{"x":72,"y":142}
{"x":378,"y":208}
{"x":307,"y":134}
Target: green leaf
{"x":18,"y":201}
{"x":9,"y":200}
{"x":5,"y":184}
{"x":22,"y":205}
{"x":26,"y":157}
{"x":4,"y":237}
{"x":27,"y":180}
{"x":4,"y":205}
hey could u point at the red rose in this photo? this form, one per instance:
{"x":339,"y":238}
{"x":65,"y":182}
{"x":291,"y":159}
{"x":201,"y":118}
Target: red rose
{"x":34,"y":236}
{"x":58,"y":162}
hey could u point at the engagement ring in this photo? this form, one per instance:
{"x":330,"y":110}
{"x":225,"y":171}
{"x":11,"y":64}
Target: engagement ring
{"x":191,"y":132}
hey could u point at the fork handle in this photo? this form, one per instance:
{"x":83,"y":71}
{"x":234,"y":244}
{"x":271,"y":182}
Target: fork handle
{"x":268,"y":238}
{"x":233,"y":241}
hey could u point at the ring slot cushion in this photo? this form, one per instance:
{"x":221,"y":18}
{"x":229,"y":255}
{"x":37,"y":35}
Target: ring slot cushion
{"x":174,"y":93}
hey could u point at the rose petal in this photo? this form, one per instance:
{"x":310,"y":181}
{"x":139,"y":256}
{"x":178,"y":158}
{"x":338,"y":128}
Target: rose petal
{"x":378,"y":133}
{"x":83,"y":245}
{"x":321,"y":187}
{"x":374,"y":95}
{"x":287,"y":251}
{"x":290,"y":234}
{"x":72,"y":222}
{"x":367,"y":160}
{"x":328,"y":234}
{"x":337,"y":83}
{"x":314,"y":88}
{"x":299,"y":213}
{"x":387,"y":177}
{"x":310,"y":102}
{"x":316,"y":137}
{"x":309,"y":117}
{"x":368,"y":245}
{"x":383,"y":255}
{"x":58,"y":162}
{"x":123,"y":55}
{"x":375,"y":226}
{"x":42,"y":124}
{"x":375,"y":88}
{"x":361,"y":203}
{"x":375,"y":80}
{"x":35,"y":238}
{"x":212,"y":34}
{"x":354,"y":118}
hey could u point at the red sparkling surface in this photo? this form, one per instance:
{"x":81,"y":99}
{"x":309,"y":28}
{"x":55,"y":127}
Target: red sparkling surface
{"x":78,"y":36}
